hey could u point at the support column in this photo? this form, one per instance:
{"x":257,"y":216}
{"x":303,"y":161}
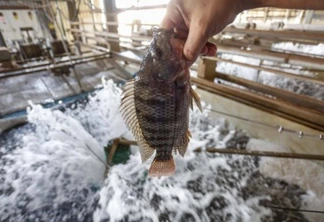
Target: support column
{"x":308,"y":16}
{"x":74,"y":17}
{"x":206,"y":69}
{"x":2,"y":41}
{"x":111,"y":15}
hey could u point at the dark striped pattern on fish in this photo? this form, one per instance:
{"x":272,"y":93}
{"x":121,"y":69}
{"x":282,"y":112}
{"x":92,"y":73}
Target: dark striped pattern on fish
{"x":163,"y":111}
{"x":155,"y":104}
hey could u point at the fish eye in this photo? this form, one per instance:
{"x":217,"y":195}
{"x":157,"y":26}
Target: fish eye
{"x":160,"y":77}
{"x":158,"y":52}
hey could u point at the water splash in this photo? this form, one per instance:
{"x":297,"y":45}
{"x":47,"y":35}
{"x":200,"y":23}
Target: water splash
{"x":204,"y":188}
{"x":52,"y":171}
{"x":49,"y":173}
{"x":100,"y":115}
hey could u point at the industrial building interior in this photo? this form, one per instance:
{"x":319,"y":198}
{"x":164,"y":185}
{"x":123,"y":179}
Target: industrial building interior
{"x":257,"y":147}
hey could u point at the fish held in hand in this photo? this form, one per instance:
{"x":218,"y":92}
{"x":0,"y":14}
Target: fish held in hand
{"x":155,"y":104}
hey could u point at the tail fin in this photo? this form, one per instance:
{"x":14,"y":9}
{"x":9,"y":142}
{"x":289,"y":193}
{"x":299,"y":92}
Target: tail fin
{"x":162,"y":168}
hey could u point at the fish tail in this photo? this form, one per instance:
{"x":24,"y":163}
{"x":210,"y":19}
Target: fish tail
{"x":162,"y":168}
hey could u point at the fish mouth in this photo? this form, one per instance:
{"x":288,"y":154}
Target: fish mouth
{"x":158,"y":31}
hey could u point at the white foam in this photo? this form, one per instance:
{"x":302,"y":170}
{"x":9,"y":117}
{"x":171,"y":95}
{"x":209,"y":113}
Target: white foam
{"x":271,"y":79}
{"x":297,"y":47}
{"x":305,"y":173}
{"x":123,"y":197}
{"x":59,"y":160}
{"x":239,"y":71}
{"x":56,"y":158}
{"x":101,"y":116}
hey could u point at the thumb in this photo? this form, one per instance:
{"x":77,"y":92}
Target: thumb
{"x":166,"y":23}
{"x":196,"y":40}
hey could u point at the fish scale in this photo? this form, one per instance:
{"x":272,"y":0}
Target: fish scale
{"x":155,"y":104}
{"x":162,"y":118}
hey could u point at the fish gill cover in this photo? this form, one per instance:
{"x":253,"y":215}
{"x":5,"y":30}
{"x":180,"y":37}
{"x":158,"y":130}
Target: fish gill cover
{"x":48,"y":172}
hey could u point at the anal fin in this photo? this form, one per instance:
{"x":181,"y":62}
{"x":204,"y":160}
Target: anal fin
{"x":162,"y":168}
{"x":145,"y":151}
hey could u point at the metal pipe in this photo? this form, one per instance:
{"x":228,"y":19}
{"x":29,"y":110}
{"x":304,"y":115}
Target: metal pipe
{"x":291,"y":97}
{"x":247,"y":152}
{"x":61,"y":19}
{"x":48,"y":67}
{"x":285,"y":34}
{"x":106,"y":40}
{"x":275,"y":71}
{"x":48,"y":63}
{"x":142,"y":7}
{"x":93,"y":18}
{"x":274,"y":106}
{"x":99,"y":48}
{"x":263,"y":153}
{"x":299,"y":60}
{"x":115,"y":35}
{"x":113,"y":23}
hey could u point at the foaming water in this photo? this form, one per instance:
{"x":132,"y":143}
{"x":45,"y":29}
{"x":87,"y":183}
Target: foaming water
{"x":204,"y":188}
{"x":54,"y":170}
{"x":294,"y":85}
{"x":51,"y":170}
{"x":100,"y":115}
{"x":297,"y":47}
{"x":51,"y":175}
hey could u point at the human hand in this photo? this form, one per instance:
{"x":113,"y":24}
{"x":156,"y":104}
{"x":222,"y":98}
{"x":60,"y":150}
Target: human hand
{"x":198,"y":20}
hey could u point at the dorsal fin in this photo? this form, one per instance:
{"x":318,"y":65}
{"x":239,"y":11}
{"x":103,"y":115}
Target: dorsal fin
{"x":128,"y":111}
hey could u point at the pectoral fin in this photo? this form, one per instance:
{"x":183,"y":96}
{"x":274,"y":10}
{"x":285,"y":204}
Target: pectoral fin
{"x":194,"y":96}
{"x":183,"y":143}
{"x":191,"y":103}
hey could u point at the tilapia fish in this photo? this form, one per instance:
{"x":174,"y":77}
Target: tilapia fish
{"x":155,"y":104}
